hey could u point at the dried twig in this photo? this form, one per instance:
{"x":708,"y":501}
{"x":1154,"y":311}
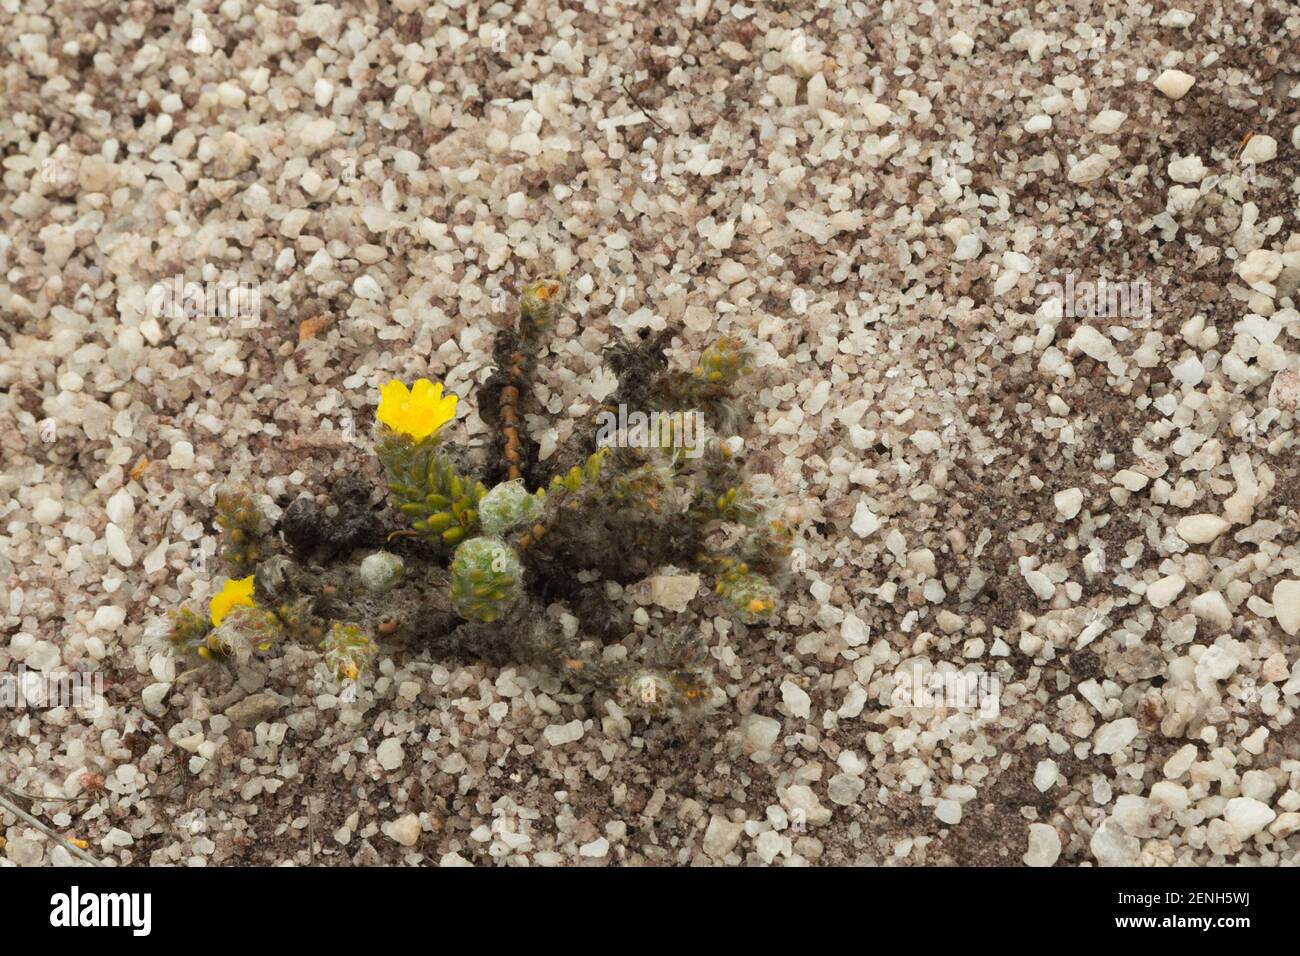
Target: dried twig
{"x":44,"y":828}
{"x":648,"y":114}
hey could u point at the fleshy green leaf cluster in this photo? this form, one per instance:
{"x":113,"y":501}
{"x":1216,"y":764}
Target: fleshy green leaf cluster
{"x":508,"y":505}
{"x":242,"y":524}
{"x":348,"y":649}
{"x":424,"y":486}
{"x":751,"y":596}
{"x":486,"y":578}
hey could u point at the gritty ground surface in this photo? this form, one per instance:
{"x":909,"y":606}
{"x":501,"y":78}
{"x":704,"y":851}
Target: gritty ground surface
{"x":1094,"y":514}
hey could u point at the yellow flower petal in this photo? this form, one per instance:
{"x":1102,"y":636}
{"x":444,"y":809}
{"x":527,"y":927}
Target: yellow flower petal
{"x":232,"y":593}
{"x":417,"y":413}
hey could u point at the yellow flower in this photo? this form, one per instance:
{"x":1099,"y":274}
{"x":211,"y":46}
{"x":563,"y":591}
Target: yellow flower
{"x":417,"y":413}
{"x":231,"y":594}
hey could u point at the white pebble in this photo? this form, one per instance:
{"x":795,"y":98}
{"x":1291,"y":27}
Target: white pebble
{"x":1201,"y":528}
{"x":1068,"y":503}
{"x":1165,"y":591}
{"x":961,"y":43}
{"x":1260,"y":149}
{"x":47,"y":511}
{"x":121,"y":507}
{"x":948,"y":811}
{"x":796,"y":699}
{"x":1088,"y":169}
{"x":1286,"y":605}
{"x":118,"y":549}
{"x":1108,"y":121}
{"x":390,"y":754}
{"x":1247,"y":816}
{"x":1115,"y":736}
{"x":108,"y":618}
{"x":1044,"y":845}
{"x":1174,"y":83}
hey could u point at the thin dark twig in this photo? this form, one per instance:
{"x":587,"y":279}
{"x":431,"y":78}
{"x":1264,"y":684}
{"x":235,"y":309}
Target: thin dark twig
{"x":648,"y":114}
{"x":45,"y":828}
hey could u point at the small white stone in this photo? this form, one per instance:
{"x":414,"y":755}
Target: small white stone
{"x":730,"y":271}
{"x":948,"y":811}
{"x":182,"y":456}
{"x":1178,"y":19}
{"x":230,"y":95}
{"x":1045,"y":775}
{"x":854,"y":631}
{"x":118,"y":549}
{"x":366,"y":287}
{"x":961,"y":43}
{"x":108,"y":618}
{"x":595,"y":850}
{"x":1165,"y":591}
{"x":1286,"y":605}
{"x":1260,"y":266}
{"x":844,"y":789}
{"x":1115,"y":736}
{"x":1201,"y":528}
{"x":1259,"y":149}
{"x":154,"y":698}
{"x":674,"y":592}
{"x":1174,"y":83}
{"x":1093,"y":344}
{"x":1247,"y":816}
{"x":1068,"y":503}
{"x":1180,"y":762}
{"x":1166,"y":793}
{"x":759,"y":734}
{"x":390,"y":754}
{"x":47,"y":511}
{"x":865,"y":521}
{"x":1108,"y":121}
{"x":404,"y":830}
{"x":1284,"y":393}
{"x":768,"y":845}
{"x":1187,"y":169}
{"x":1215,"y":664}
{"x":1131,"y":480}
{"x":877,"y":114}
{"x":968,"y":247}
{"x":316,"y":133}
{"x":1044,"y":845}
{"x":796,"y":699}
{"x":1111,"y":846}
{"x":120,"y":507}
{"x":1088,"y":169}
{"x":1040,"y":584}
{"x":1212,"y":607}
{"x":559,"y":734}
{"x":721,"y":836}
{"x":784,"y":88}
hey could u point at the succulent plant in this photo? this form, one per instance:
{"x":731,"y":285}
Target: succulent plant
{"x":243,"y":526}
{"x":507,"y":506}
{"x":347,"y":649}
{"x":486,"y":577}
{"x":474,"y":568}
{"x":380,"y":571}
{"x":441,"y":505}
